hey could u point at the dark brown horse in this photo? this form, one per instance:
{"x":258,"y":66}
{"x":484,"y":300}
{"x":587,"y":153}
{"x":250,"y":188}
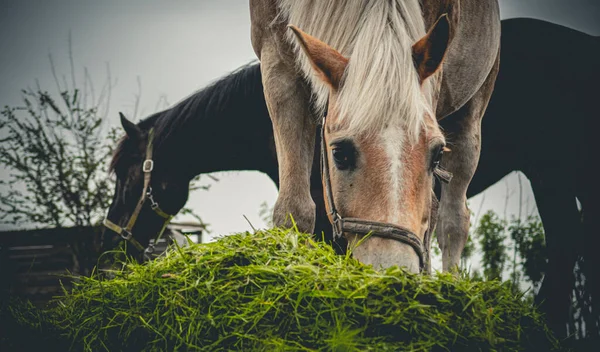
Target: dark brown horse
{"x":540,"y":121}
{"x":179,"y":152}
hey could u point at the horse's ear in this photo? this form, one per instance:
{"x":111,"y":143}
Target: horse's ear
{"x":429,"y":51}
{"x":327,"y":62}
{"x":132,"y":130}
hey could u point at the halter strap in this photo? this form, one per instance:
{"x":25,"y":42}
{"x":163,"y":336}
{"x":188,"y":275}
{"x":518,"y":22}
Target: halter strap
{"x":147,"y":168}
{"x":385,"y":230}
{"x":125,"y":232}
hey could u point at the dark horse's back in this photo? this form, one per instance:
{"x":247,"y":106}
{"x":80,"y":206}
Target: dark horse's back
{"x":542,"y":120}
{"x":547,"y":94}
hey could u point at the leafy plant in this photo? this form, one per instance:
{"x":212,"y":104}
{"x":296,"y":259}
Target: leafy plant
{"x":530,"y":244}
{"x":490,"y":233}
{"x":56,"y":151}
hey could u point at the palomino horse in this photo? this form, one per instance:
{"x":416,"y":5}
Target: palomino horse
{"x":380,"y":78}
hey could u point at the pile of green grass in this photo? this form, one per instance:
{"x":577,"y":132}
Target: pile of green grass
{"x":280,"y":290}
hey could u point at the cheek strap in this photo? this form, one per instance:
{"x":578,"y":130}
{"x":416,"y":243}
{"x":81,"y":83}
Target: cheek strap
{"x":126,"y":233}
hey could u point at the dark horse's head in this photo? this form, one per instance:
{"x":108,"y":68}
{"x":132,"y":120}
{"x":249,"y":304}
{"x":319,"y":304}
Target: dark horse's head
{"x":150,"y":189}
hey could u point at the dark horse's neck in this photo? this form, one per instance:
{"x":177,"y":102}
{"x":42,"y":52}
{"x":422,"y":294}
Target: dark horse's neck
{"x":225,"y":126}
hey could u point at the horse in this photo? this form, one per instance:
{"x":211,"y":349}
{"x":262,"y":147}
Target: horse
{"x":237,"y":102}
{"x":539,"y":121}
{"x":385,"y":72}
{"x":157,"y":158}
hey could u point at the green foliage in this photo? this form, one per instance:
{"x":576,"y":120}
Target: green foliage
{"x":280,"y":290}
{"x":531,"y":247}
{"x":527,"y":248}
{"x":490,"y":233}
{"x":56,"y":151}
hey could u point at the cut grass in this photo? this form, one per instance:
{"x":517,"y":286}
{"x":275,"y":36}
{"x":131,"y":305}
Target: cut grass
{"x":280,"y":290}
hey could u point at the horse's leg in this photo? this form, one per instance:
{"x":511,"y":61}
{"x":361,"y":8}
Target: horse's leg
{"x":294,"y":130}
{"x":463,"y":133}
{"x":589,"y":189}
{"x":294,"y":126}
{"x":591,"y":243}
{"x":563,"y":231}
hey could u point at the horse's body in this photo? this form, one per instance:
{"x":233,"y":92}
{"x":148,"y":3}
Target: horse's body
{"x":459,"y":96}
{"x":539,"y":121}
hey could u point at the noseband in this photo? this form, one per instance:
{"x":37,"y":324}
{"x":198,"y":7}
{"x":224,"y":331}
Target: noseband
{"x":374,"y":228}
{"x":125,"y":232}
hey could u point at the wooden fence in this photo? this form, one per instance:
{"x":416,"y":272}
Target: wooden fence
{"x":34,"y":263}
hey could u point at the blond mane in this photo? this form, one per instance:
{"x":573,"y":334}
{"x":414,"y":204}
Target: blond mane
{"x":381,"y":84}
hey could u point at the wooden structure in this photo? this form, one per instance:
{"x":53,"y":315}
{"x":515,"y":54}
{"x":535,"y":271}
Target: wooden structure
{"x":35,"y":263}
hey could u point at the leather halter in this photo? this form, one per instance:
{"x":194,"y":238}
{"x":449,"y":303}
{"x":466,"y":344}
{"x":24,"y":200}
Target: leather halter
{"x":125,"y":232}
{"x":374,"y":228}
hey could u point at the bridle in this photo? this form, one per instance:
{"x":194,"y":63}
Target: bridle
{"x":125,"y":232}
{"x":374,"y":228}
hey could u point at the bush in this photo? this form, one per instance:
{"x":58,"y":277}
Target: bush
{"x":280,"y":290}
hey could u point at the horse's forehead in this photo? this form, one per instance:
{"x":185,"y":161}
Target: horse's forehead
{"x":127,"y":162}
{"x":401,"y":126}
{"x":391,"y":133}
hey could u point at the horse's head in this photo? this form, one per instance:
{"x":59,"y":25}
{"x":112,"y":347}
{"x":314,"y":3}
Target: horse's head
{"x":149,"y":190}
{"x":379,"y":172}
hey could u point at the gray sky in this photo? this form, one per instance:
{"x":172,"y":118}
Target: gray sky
{"x":177,"y":47}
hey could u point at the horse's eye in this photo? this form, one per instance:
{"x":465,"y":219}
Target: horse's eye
{"x":344,"y":156}
{"x":436,"y":156}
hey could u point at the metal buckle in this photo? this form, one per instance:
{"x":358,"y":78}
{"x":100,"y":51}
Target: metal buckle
{"x":338,"y":225}
{"x":148,"y":253}
{"x":148,"y":165}
{"x":128,"y":235}
{"x":149,"y":249}
{"x":153,"y":204}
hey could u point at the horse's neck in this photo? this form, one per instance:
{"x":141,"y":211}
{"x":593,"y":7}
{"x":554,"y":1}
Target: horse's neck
{"x":229,"y":130}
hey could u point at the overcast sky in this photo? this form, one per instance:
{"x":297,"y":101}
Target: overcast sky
{"x":177,"y":47}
